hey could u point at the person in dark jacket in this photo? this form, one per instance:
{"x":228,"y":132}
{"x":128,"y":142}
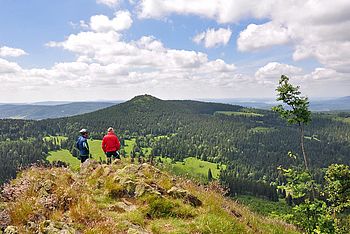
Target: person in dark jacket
{"x":83,"y":145}
{"x":111,"y":145}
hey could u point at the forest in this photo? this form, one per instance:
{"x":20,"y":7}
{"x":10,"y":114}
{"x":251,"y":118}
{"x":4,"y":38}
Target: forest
{"x":251,"y":142}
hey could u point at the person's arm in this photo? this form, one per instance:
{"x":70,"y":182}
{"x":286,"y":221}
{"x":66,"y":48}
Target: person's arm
{"x":86,"y":145}
{"x":104,"y":144}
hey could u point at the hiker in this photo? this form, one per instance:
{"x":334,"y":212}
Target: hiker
{"x":83,"y":145}
{"x":111,"y":145}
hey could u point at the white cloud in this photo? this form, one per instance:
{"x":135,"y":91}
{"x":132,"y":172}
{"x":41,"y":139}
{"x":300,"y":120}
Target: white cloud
{"x":121,"y":21}
{"x":104,"y":61}
{"x":271,"y":72}
{"x":223,"y":11}
{"x":11,"y":52}
{"x":110,"y":3}
{"x":261,"y":36}
{"x":7,"y":67}
{"x":212,"y":37}
{"x":317,"y":29}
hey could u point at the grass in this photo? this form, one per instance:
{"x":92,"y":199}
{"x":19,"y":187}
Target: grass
{"x":129,"y":145}
{"x":265,"y":207}
{"x":83,"y":202}
{"x":193,"y":168}
{"x":239,"y":113}
{"x":64,"y":156}
{"x":58,"y":138}
{"x":343,"y":119}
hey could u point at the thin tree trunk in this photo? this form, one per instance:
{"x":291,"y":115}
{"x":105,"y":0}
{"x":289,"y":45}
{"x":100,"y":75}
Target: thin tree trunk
{"x":302,"y":146}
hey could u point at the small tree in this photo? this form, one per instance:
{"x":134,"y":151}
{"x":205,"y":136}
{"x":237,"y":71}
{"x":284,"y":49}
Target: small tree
{"x":210,"y":175}
{"x":297,"y":111}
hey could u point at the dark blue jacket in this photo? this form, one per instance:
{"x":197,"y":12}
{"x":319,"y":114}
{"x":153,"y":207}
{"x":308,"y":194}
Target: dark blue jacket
{"x":83,"y":146}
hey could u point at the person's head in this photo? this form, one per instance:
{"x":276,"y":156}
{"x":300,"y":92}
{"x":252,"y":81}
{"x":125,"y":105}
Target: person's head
{"x":84,"y":132}
{"x":110,"y":129}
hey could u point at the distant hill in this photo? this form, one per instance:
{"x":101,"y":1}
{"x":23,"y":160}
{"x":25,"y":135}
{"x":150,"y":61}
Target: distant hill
{"x":49,"y":110}
{"x":316,"y":105}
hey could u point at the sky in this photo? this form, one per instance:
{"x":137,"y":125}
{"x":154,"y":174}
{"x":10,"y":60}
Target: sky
{"x":88,"y":50}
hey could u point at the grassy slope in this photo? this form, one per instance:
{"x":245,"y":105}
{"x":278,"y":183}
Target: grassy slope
{"x":192,"y":168}
{"x":265,"y":207}
{"x":91,"y":201}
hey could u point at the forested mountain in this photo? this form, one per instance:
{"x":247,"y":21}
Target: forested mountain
{"x":34,"y":111}
{"x":251,"y":142}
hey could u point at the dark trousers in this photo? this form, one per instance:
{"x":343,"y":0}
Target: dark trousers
{"x":113,"y":154}
{"x":83,"y":158}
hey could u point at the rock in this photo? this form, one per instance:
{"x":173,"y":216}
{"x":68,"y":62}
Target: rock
{"x":185,"y":195}
{"x":130,"y":187}
{"x":107,"y":171}
{"x":126,"y":207}
{"x":192,"y":200}
{"x":11,"y":230}
{"x":5,"y":219}
{"x":50,"y":227}
{"x":140,"y":190}
{"x":135,"y":229}
{"x":177,"y":192}
{"x":88,"y":166}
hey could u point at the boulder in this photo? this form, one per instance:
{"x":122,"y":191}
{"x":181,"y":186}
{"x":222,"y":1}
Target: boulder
{"x":11,"y":230}
{"x":176,"y":192}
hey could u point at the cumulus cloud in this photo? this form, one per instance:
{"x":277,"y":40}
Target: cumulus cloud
{"x":271,"y":72}
{"x":104,"y":60}
{"x":110,"y":3}
{"x":317,"y":29}
{"x":212,"y":37}
{"x":261,"y":36}
{"x":223,"y":11}
{"x":121,"y":21}
{"x":11,"y":52}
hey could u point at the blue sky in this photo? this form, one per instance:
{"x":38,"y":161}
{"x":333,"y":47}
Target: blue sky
{"x":173,"y":49}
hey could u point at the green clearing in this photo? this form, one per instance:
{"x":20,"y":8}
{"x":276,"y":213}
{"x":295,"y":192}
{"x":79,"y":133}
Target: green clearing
{"x":129,"y":146}
{"x":261,"y":130}
{"x":265,"y":207}
{"x":343,"y":119}
{"x":59,"y":139}
{"x":64,"y":156}
{"x":239,"y":113}
{"x":193,"y":168}
{"x":312,"y":138}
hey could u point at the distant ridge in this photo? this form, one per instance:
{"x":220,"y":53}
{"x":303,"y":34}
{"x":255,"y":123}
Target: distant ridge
{"x":38,"y":112}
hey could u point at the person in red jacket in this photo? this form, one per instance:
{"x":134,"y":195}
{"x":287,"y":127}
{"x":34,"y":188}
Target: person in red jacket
{"x":111,"y":145}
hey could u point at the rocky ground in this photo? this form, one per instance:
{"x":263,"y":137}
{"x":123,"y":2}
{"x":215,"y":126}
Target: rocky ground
{"x":122,"y":198}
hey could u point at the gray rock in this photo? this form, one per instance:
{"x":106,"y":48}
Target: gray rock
{"x":11,"y":230}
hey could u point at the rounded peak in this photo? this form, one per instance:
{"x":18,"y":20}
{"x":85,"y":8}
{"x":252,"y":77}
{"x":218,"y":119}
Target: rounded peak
{"x":145,"y":97}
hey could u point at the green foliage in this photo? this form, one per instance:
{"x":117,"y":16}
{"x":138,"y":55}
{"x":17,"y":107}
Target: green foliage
{"x":298,"y":109}
{"x":338,"y":187}
{"x":290,"y":95}
{"x":313,"y":217}
{"x":299,"y":182}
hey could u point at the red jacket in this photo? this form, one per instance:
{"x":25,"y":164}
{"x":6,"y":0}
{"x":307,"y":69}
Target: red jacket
{"x":110,"y":143}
